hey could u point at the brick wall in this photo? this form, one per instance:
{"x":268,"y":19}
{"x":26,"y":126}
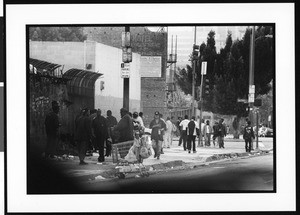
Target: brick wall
{"x":153,"y":97}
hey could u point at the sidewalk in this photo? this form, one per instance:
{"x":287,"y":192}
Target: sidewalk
{"x":174,"y":158}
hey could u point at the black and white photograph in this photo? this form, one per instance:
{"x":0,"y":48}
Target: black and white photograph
{"x":116,"y":109}
{"x":137,"y":109}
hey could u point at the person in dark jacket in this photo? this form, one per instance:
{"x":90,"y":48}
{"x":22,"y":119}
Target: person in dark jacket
{"x":248,"y":135}
{"x":221,"y":133}
{"x":51,"y":126}
{"x":83,"y":134}
{"x":157,"y":125}
{"x":125,"y":126}
{"x":111,"y":122}
{"x":192,"y":132}
{"x":100,"y":132}
{"x":215,"y":133}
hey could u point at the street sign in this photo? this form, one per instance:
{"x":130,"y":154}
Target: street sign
{"x":125,"y":39}
{"x":203,"y":68}
{"x":251,"y":89}
{"x":251,"y":97}
{"x":125,"y":70}
{"x":242,"y":100}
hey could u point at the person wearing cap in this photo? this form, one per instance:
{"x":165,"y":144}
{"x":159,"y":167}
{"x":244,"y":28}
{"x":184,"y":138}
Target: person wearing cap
{"x":83,"y":134}
{"x":157,"y":126}
{"x":51,"y":126}
{"x":125,"y":126}
{"x":100,"y":132}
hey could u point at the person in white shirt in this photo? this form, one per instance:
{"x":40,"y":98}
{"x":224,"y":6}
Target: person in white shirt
{"x":184,"y":123}
{"x":200,"y":141}
{"x":168,"y":134}
{"x":207,"y":131}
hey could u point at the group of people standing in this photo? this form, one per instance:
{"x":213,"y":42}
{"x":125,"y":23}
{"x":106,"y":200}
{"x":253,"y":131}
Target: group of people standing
{"x":92,"y":130}
{"x":190,"y":129}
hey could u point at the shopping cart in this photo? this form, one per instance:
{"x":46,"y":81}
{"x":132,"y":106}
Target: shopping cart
{"x":129,"y":157}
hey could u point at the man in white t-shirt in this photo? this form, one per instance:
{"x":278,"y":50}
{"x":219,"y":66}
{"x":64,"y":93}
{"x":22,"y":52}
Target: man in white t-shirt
{"x":184,"y":123}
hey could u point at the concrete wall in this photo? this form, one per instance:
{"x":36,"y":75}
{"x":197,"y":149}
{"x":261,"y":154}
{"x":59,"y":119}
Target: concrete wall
{"x":104,"y":59}
{"x":146,"y":43}
{"x":108,"y":62}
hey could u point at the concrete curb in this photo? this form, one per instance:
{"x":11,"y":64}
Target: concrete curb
{"x":180,"y":165}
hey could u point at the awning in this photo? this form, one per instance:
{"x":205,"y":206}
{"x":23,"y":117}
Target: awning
{"x":43,"y":65}
{"x":82,"y":82}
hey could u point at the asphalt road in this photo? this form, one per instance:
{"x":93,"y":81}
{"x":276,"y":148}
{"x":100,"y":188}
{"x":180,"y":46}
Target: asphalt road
{"x":253,"y":174}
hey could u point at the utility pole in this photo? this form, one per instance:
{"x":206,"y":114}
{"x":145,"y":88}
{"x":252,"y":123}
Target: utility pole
{"x":251,"y":76}
{"x":126,"y":84}
{"x":193,"y":75}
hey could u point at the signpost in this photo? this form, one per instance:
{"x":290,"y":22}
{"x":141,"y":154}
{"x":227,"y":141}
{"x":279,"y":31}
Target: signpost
{"x":125,"y":70}
{"x":203,"y":68}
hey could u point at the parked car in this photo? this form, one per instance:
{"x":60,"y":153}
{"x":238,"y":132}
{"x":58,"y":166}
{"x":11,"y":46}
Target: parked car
{"x":265,"y":132}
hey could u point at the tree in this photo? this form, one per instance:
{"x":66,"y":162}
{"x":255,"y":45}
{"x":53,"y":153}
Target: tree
{"x":228,"y":72}
{"x":57,"y":34}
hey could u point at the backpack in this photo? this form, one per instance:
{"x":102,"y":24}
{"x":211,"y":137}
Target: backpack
{"x":174,"y":127}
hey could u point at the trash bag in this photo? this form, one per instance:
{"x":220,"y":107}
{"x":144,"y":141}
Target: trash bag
{"x":131,"y":157}
{"x":144,"y":152}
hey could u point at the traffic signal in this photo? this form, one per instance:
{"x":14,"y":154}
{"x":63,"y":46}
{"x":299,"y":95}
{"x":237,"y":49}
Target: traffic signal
{"x":206,"y":90}
{"x":195,"y":51}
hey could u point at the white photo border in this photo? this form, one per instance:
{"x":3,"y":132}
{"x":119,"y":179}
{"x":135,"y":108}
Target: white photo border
{"x":18,"y":16}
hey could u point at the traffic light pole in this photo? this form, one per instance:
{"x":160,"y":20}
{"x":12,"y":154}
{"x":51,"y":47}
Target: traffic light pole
{"x":126,"y":85}
{"x":200,"y":140}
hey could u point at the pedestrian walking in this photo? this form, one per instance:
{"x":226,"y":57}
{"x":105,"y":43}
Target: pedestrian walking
{"x":207,"y":131}
{"x":179,"y":129}
{"x":215,"y":134}
{"x":125,"y":126}
{"x":163,"y":134}
{"x":221,"y":133}
{"x":184,"y":123}
{"x":100,"y":133}
{"x":248,"y":135}
{"x":83,"y":134}
{"x":157,"y":125}
{"x":192,"y":132}
{"x":168,"y":133}
{"x":92,"y":143}
{"x":52,"y":130}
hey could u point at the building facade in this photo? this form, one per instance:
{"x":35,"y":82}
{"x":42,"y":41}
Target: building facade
{"x":152,"y":46}
{"x":97,"y":58}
